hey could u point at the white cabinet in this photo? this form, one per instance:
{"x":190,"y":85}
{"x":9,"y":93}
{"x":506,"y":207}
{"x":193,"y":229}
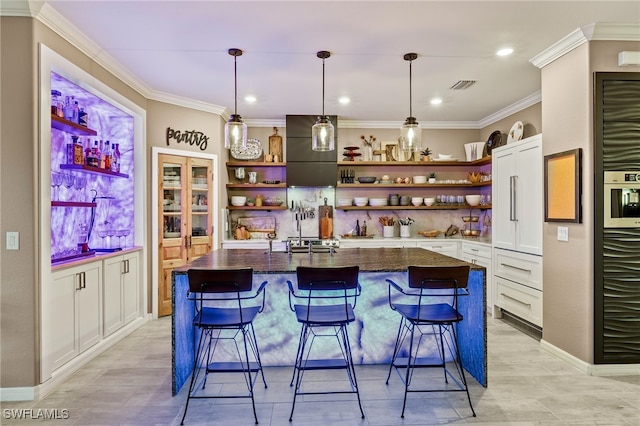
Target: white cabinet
{"x":73,"y":316}
{"x":518,"y":196}
{"x":518,"y":284}
{"x":480,"y":254}
{"x":120,"y":291}
{"x":448,"y":248}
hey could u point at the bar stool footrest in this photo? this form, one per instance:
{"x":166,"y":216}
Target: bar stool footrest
{"x":232,"y":367}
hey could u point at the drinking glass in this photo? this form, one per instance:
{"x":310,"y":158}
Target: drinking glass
{"x":79,"y":183}
{"x":56,"y":181}
{"x":68,"y":180}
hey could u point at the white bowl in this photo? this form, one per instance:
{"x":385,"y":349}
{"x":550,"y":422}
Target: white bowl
{"x":419,"y":179}
{"x":345,"y":202}
{"x":378,"y":201}
{"x":416,"y":201}
{"x":472,"y":200}
{"x":429,"y":201}
{"x":238,"y":200}
{"x":445,"y":156}
{"x":361,"y":201}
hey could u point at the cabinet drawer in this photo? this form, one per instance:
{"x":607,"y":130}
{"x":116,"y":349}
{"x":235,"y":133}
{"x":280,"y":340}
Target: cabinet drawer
{"x":519,"y":267}
{"x":520,"y":300}
{"x":476,"y":250}
{"x":448,"y":248}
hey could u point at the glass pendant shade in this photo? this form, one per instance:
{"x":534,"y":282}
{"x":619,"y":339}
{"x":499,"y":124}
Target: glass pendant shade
{"x":410,"y":132}
{"x":235,"y":130}
{"x":322,"y":135}
{"x":411,"y":135}
{"x":235,"y":133}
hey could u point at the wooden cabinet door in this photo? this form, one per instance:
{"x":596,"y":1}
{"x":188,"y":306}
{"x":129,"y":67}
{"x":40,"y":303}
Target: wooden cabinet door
{"x":186,"y":217}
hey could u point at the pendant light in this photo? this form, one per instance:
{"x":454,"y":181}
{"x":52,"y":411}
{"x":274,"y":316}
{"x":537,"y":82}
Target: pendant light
{"x":322,"y":132}
{"x":410,"y":132}
{"x":235,"y":130}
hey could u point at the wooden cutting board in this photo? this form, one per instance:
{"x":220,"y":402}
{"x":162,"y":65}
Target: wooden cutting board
{"x":275,"y":144}
{"x":325,"y":214}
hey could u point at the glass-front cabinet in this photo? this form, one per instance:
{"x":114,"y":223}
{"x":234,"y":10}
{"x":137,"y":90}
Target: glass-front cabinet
{"x":186,"y":216}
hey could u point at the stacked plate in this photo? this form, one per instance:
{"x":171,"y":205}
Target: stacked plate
{"x":378,"y":201}
{"x":344,"y":202}
{"x":419,"y":179}
{"x":360,"y":201}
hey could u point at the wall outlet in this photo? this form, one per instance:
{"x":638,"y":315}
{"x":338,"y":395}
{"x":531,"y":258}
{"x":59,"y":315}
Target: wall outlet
{"x":563,"y":233}
{"x":13,"y":241}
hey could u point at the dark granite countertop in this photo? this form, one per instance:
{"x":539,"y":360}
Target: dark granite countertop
{"x":369,"y":260}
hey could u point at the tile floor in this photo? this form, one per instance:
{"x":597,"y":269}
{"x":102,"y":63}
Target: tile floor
{"x":131,"y":385}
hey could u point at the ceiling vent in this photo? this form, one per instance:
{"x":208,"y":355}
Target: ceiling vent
{"x":463,"y":84}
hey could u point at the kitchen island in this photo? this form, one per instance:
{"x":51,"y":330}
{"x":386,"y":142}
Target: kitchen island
{"x":373,"y":333}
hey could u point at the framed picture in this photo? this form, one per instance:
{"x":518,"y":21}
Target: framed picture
{"x":563,"y":186}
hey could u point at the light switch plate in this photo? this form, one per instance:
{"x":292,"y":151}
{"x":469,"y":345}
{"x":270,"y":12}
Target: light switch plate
{"x":563,"y":233}
{"x":13,"y":240}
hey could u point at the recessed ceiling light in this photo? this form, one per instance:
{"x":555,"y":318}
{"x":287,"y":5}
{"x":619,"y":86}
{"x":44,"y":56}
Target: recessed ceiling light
{"x":344,"y":100}
{"x":436,"y":101}
{"x":250,"y":98}
{"x":504,"y":52}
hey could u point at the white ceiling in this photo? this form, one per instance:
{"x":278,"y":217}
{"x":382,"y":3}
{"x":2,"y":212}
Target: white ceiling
{"x":179,"y":49}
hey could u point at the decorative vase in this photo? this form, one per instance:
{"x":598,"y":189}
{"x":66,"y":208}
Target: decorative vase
{"x":367,"y":153}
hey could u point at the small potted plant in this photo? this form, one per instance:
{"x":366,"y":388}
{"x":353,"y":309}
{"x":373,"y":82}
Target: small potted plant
{"x":426,"y":154}
{"x":432,"y":177}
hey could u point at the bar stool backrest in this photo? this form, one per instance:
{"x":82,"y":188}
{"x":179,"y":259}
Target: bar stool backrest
{"x":220,"y":280}
{"x":310,"y":278}
{"x":438,"y":277}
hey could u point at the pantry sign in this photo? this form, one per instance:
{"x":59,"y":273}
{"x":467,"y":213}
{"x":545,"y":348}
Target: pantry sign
{"x":190,"y":137}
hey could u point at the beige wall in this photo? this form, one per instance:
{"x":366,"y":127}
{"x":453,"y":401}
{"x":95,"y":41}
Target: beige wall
{"x":18,"y":204}
{"x":19,"y":188}
{"x":567,"y":90}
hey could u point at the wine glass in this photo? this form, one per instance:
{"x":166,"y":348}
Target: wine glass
{"x":68,"y":180}
{"x":79,"y":183}
{"x":56,"y":181}
{"x":110,"y":233}
{"x":102,"y":233}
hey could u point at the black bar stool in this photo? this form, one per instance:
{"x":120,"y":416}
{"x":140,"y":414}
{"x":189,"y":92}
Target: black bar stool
{"x":224,"y":316}
{"x":328,"y":297}
{"x":433,"y":311}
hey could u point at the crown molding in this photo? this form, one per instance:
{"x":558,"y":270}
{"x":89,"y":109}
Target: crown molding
{"x":584,"y":34}
{"x":511,"y":109}
{"x":47,"y":15}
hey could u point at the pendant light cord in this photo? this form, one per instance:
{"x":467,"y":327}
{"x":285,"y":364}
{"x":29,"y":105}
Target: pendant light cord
{"x":235,"y":85}
{"x":323,"y":87}
{"x":410,"y":91}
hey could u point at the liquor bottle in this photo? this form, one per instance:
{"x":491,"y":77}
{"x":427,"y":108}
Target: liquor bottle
{"x":68,"y":108}
{"x":87,"y":152}
{"x":78,"y":155}
{"x":357,"y":233}
{"x":101,"y":154}
{"x":76,"y":112}
{"x":82,"y":117}
{"x":70,"y":147}
{"x":115,"y":158}
{"x":94,"y":160}
{"x":118,"y":158}
{"x":363,"y":230}
{"x":107,"y":156}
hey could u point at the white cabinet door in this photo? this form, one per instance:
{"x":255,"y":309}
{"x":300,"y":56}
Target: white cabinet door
{"x":480,"y":254}
{"x":130,"y":287}
{"x":530,"y":198}
{"x":88,"y":307}
{"x":73,"y":317}
{"x":59,"y":334}
{"x":517,"y":207}
{"x":503,"y":213}
{"x":121,"y":291}
{"x":112,"y":298}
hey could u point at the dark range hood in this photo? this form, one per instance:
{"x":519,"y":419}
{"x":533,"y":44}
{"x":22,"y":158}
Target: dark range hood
{"x":306,"y":167}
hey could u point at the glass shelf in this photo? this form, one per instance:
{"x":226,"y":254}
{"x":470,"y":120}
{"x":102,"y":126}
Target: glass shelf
{"x":71,"y":127}
{"x":72,"y":204}
{"x":92,"y":169}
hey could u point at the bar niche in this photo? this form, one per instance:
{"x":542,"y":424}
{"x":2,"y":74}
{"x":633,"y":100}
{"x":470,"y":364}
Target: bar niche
{"x":92,"y":203}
